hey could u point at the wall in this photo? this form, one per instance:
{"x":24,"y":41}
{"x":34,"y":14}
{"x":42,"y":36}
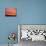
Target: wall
{"x":28,"y":12}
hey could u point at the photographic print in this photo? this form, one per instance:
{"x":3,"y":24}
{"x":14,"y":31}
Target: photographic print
{"x":10,"y":11}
